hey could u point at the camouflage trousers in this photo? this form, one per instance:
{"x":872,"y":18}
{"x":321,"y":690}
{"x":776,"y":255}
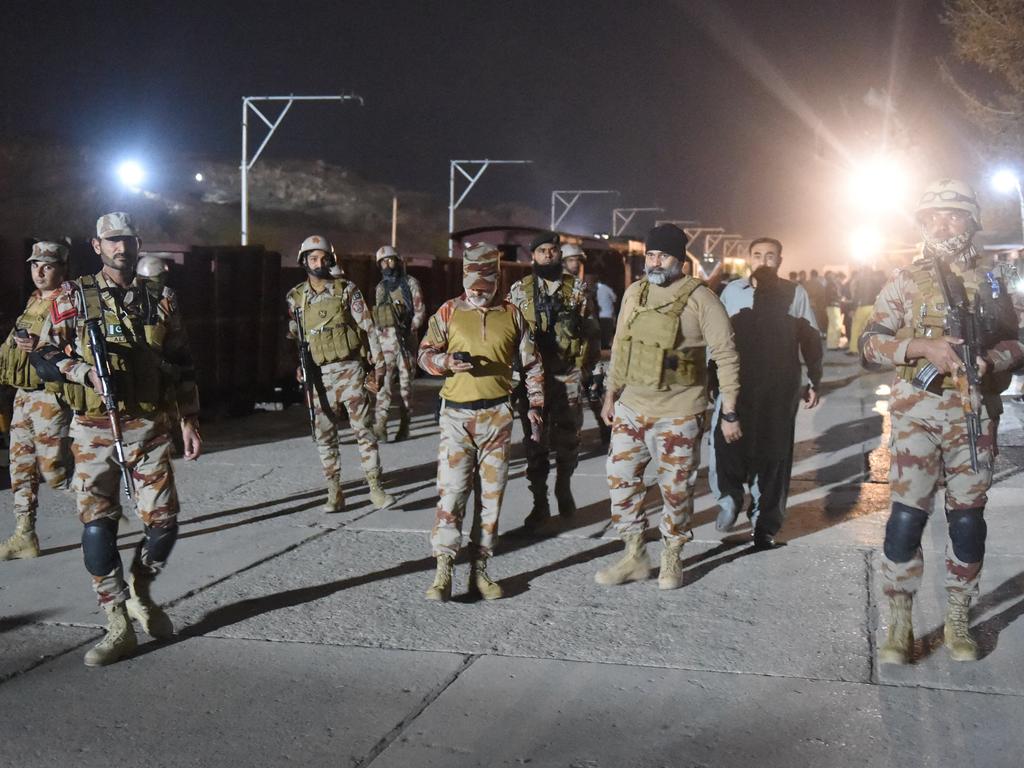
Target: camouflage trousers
{"x":929,"y":443}
{"x":343,"y":385}
{"x":97,"y":481}
{"x":473,"y":455}
{"x":39,"y":447}
{"x":560,"y":434}
{"x":398,"y":360}
{"x":675,"y":445}
{"x":97,"y":478}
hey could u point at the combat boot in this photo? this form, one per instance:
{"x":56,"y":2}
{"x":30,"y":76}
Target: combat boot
{"x":380,"y":430}
{"x":403,"y":428}
{"x":140,"y":606}
{"x":671,"y":574}
{"x":899,"y":644}
{"x":635,"y":565}
{"x":119,"y":641}
{"x":380,"y":498}
{"x":335,"y":498}
{"x":481,"y":582}
{"x":956,"y":635}
{"x":24,"y":543}
{"x":441,"y":589}
{"x":563,"y":494}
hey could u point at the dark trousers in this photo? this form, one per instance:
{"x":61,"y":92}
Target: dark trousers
{"x":733,"y":466}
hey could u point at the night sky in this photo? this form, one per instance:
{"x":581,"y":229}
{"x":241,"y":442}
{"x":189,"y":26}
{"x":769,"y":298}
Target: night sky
{"x":716,"y":111}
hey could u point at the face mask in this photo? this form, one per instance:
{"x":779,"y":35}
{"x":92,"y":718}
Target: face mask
{"x":390,"y":274}
{"x":662,"y":276}
{"x":950,"y":247}
{"x":550,"y":271}
{"x":479,"y":301}
{"x":324,"y":273}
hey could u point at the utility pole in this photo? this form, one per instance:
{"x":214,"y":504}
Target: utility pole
{"x":472,"y":178}
{"x":621,"y":217}
{"x":568,"y":198}
{"x":248,"y":103}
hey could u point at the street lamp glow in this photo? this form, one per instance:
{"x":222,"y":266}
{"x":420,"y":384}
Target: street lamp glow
{"x":879,"y":185}
{"x":1005,"y":181}
{"x":199,"y":177}
{"x":131,"y":174}
{"x":865,"y":243}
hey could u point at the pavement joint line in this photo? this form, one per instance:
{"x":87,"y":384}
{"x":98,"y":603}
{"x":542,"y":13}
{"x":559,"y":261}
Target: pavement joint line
{"x":871,"y":615}
{"x":50,"y":657}
{"x":391,"y":736}
{"x":262,"y":561}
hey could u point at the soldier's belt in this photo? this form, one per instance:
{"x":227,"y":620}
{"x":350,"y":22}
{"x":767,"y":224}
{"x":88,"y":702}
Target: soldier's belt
{"x":475,"y":405}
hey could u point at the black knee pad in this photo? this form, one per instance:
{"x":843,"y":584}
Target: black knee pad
{"x":967,"y":530}
{"x":903,"y":532}
{"x":99,"y":546}
{"x":160,"y":542}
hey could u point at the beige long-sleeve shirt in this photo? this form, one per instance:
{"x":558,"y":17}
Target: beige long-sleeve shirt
{"x":704,"y":324}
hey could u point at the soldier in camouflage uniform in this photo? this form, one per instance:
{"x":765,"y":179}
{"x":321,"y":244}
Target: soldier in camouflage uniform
{"x":656,"y":401}
{"x":574,"y":261}
{"x":929,"y":428}
{"x":343,"y":348}
{"x":39,"y":427}
{"x":154,"y":382}
{"x":474,"y":343}
{"x":398,"y":313}
{"x":560,"y":317}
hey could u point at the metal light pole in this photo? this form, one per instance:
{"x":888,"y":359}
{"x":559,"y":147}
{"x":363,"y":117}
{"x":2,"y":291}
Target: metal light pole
{"x":247,"y":163}
{"x":472,"y":178}
{"x":561,"y":196}
{"x":621,"y":217}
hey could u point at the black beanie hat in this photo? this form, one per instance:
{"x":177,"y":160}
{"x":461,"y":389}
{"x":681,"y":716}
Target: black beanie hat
{"x":542,"y":238}
{"x":667,"y":238}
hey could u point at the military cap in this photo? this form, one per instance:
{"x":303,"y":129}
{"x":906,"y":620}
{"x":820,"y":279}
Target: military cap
{"x":116,"y":224}
{"x":543,"y":238}
{"x":49,"y":252}
{"x":480,"y":267}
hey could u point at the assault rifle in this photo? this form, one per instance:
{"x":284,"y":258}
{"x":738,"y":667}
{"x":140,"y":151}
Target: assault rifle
{"x":961,"y":323}
{"x":97,"y":343}
{"x":305,"y":366}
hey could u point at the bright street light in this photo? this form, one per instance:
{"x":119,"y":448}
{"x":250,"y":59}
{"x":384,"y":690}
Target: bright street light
{"x":131,"y":174}
{"x":1005,"y":181}
{"x":199,"y":177}
{"x":865,"y":243}
{"x":879,"y":185}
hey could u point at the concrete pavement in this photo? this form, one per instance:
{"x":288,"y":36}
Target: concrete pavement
{"x":303,"y":638}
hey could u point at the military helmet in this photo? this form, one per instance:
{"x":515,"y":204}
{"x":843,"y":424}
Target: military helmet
{"x":570,"y":250}
{"x":152,"y":266}
{"x":386,"y":252}
{"x":314,"y":243}
{"x":950,"y":193}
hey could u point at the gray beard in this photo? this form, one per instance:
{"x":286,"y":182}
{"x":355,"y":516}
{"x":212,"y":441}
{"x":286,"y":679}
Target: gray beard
{"x":660,"y":276}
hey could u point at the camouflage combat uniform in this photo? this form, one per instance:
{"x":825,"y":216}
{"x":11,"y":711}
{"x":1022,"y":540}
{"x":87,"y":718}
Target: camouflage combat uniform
{"x":155,"y":382}
{"x":560,"y":319}
{"x":397,"y":325}
{"x":660,"y":413}
{"x":476,"y":416}
{"x":929,"y":433}
{"x":39,"y":445}
{"x":344,"y":345}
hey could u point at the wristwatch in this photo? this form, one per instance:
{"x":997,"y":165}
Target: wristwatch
{"x":731,"y":417}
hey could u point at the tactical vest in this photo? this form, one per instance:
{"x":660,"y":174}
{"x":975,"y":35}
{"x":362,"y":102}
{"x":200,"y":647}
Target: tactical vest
{"x":491,"y":339}
{"x":392,"y":311}
{"x":15,"y":368}
{"x":330,"y":329}
{"x":928,"y":314}
{"x":647,"y":351}
{"x":135,"y":348}
{"x":556,"y":324}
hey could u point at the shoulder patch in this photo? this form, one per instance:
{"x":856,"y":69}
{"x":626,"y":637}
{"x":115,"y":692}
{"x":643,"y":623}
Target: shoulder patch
{"x":62,"y":307}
